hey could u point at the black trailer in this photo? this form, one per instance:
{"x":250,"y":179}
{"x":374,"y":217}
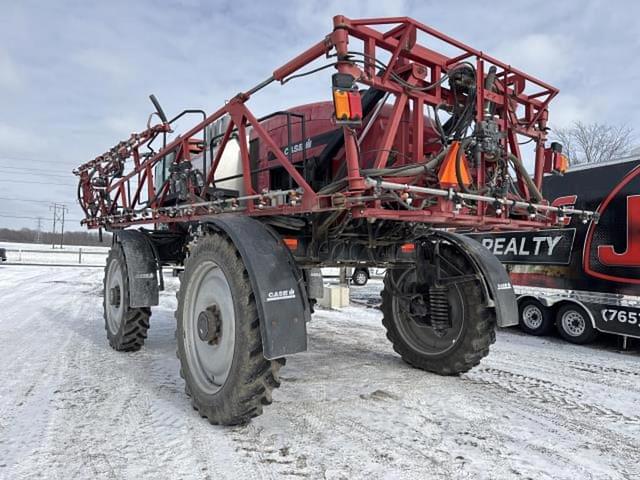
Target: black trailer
{"x":583,"y":278}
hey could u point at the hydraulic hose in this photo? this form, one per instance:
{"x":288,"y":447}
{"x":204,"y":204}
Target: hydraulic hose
{"x":533,"y":190}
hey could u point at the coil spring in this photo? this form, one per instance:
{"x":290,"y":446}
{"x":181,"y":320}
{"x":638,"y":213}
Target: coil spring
{"x":439,"y":308}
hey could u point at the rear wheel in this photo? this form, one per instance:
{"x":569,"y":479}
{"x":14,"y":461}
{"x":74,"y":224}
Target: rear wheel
{"x":574,"y":324}
{"x":441,"y":329}
{"x":219,"y":341}
{"x":535,"y":318}
{"x":126,"y":327}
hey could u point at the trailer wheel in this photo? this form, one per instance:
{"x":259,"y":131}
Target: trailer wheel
{"x":126,"y":327}
{"x":574,"y":324}
{"x":535,"y":318}
{"x":218,"y":333}
{"x":447,"y":351}
{"x":360,"y":277}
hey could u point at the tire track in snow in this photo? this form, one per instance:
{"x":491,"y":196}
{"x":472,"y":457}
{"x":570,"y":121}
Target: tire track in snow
{"x":545,"y":391}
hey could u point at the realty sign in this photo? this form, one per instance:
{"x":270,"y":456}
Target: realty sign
{"x":551,"y":247}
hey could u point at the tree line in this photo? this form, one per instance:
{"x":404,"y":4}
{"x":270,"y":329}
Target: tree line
{"x":26,"y":235}
{"x":594,"y":142}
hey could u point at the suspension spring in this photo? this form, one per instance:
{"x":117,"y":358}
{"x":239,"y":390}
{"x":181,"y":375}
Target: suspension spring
{"x":439,"y":309}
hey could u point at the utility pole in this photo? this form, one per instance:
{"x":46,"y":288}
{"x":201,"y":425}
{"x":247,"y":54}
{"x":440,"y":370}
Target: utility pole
{"x":39,"y":230}
{"x":59,"y":210}
{"x":62,"y":229}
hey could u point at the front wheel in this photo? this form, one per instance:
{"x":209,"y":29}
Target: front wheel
{"x":219,"y":341}
{"x":445,"y":330}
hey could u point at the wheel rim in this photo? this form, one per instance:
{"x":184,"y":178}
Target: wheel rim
{"x":114,"y":301}
{"x":532,"y":317}
{"x":422,"y":337}
{"x":209,"y":327}
{"x":361,"y":278}
{"x":573,"y":323}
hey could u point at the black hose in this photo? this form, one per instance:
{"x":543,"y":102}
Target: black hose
{"x":533,"y":189}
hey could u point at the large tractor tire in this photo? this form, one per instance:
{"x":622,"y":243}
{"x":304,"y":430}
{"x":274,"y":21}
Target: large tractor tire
{"x":446,"y":348}
{"x":126,"y":327}
{"x":219,"y":341}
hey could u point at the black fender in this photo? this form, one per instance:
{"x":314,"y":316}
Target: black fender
{"x":496,"y":282}
{"x":142,"y":268}
{"x":277,"y":283}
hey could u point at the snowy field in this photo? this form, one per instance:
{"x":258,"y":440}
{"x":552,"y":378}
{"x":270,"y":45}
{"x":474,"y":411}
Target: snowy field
{"x":70,"y":407}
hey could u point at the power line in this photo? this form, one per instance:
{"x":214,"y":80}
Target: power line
{"x":22,"y":159}
{"x":43,"y":170}
{"x":40,"y":174}
{"x":26,"y":200}
{"x":35,"y":218}
{"x":39,"y":183}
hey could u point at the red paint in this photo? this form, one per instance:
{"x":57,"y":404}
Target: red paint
{"x":631,"y":256}
{"x":586,"y":262}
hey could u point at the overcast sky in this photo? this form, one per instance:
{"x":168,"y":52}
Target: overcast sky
{"x":75,"y":75}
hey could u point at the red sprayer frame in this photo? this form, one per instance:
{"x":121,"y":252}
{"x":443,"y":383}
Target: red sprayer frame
{"x":520,"y":103}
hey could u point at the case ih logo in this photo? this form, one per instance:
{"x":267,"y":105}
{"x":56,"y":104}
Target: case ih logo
{"x":281,"y":295}
{"x":612,"y":247}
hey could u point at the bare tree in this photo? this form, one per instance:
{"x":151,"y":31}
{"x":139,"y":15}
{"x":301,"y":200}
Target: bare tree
{"x":594,"y":142}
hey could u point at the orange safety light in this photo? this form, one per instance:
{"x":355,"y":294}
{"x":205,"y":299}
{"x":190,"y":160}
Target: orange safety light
{"x":291,"y":243}
{"x":341,"y":105}
{"x":447,"y":174}
{"x":408,"y":247}
{"x":562,"y":163}
{"x":346,"y":100}
{"x":554,"y":160}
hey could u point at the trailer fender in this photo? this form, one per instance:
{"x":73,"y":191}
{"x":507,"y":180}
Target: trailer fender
{"x":495,"y":279}
{"x":142,"y":268}
{"x":277,"y":283}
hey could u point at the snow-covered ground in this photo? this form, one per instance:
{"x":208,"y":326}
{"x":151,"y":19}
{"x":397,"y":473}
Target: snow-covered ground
{"x":70,"y":407}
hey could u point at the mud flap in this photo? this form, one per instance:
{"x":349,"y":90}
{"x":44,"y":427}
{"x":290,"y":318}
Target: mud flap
{"x":141,"y":267}
{"x":496,"y":281}
{"x":277,"y":283}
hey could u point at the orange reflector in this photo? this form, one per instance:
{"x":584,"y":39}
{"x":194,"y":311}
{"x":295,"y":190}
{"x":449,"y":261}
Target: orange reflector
{"x":341,"y":104}
{"x":407,"y":247}
{"x":447,"y":173}
{"x":562,"y":164}
{"x":291,"y":243}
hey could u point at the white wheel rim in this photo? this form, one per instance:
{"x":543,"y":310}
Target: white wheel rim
{"x":573,"y":323}
{"x":361,"y":277}
{"x":114,"y":296}
{"x":209,"y":363}
{"x":532,"y":317}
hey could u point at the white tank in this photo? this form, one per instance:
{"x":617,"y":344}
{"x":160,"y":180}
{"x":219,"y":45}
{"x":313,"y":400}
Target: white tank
{"x":230,"y":163}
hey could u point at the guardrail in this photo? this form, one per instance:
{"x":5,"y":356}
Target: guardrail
{"x":80,"y":256}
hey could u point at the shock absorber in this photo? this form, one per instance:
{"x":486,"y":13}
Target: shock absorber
{"x":439,"y":309}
